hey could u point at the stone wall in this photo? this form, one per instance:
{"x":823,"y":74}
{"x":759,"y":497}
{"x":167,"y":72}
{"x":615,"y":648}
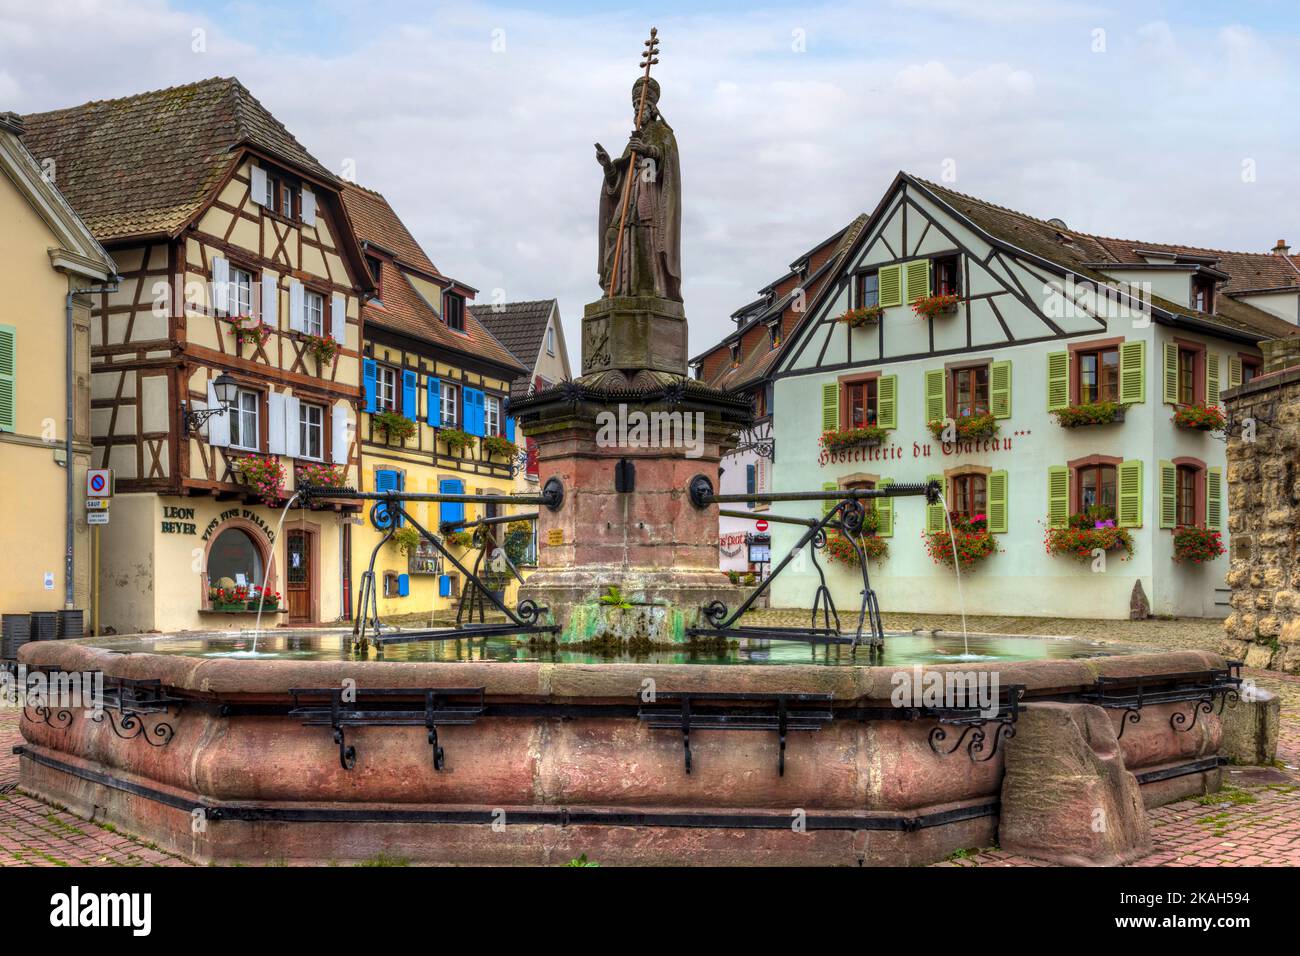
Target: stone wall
{"x":1264,"y":512}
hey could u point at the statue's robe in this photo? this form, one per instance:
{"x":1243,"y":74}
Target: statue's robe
{"x":650,"y":262}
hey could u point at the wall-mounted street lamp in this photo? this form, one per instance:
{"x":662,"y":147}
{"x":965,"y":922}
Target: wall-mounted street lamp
{"x":225,"y":387}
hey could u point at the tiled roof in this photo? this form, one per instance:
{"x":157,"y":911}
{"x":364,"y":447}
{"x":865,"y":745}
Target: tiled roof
{"x":145,"y":164}
{"x":1081,"y":253}
{"x":1246,"y":270}
{"x":372,"y":217}
{"x":519,"y":325}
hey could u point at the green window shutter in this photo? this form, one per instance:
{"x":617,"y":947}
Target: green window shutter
{"x":1133,"y":372}
{"x":1214,"y":499}
{"x":891,"y":285}
{"x":1168,"y":494}
{"x":1000,"y":389}
{"x":1130,"y":494}
{"x":828,"y":504}
{"x":8,"y":378}
{"x":1234,"y":371}
{"x":936,"y":399}
{"x":887,"y":401}
{"x":885,"y":512}
{"x":1058,"y":380}
{"x":918,"y":279}
{"x":1171,"y":373}
{"x":1211,"y":378}
{"x":997,"y":497}
{"x":934,"y":520}
{"x":830,"y":406}
{"x":1058,"y":496}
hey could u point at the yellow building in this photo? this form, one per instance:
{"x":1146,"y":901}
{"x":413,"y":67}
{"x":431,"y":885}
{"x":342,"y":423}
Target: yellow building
{"x":429,"y":363}
{"x":230,"y":347}
{"x":46,"y":255}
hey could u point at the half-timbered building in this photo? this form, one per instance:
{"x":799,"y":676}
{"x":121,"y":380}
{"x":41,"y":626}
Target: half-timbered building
{"x":1046,"y":378}
{"x":434,"y":418}
{"x":226,"y":362}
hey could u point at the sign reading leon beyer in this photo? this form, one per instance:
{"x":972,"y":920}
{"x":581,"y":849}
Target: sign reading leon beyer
{"x":99,"y":482}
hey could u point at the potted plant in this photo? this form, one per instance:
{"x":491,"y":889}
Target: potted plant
{"x":407,"y":540}
{"x":866,"y":315}
{"x":519,"y":534}
{"x":247,"y":328}
{"x":320,"y":476}
{"x":262,"y":597}
{"x":395,"y":426}
{"x":842,"y":439}
{"x":840,"y":550}
{"x":971,"y":537}
{"x":1196,"y":545}
{"x":455,"y":439}
{"x":228,"y":598}
{"x":931,"y":305}
{"x":459,"y":539}
{"x":500,"y":445}
{"x":321,"y":347}
{"x":1200,"y":417}
{"x":968,"y":427}
{"x":1090,"y":413}
{"x":1087,"y":532}
{"x":264,"y":473}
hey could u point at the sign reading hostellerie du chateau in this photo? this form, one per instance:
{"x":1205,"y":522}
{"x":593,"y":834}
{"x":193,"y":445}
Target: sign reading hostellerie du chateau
{"x":919,"y":450}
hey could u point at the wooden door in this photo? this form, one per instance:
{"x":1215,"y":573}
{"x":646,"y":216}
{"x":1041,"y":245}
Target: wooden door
{"x":299,"y":576}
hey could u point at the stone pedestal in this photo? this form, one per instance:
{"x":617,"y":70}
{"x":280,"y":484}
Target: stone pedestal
{"x":632,"y":334}
{"x":1250,"y":727}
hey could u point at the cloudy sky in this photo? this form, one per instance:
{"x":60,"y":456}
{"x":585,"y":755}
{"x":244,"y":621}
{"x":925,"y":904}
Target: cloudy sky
{"x":1171,"y":121}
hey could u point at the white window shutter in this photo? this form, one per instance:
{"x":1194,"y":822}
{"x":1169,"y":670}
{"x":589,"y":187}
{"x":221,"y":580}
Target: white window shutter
{"x":297,"y":307}
{"x":308,"y":207}
{"x":275,"y":440}
{"x":270,"y":301}
{"x":220,"y":285}
{"x":293,"y":443}
{"x":258,"y":185}
{"x":339,"y":424}
{"x":218,"y":425}
{"x":339,"y":318}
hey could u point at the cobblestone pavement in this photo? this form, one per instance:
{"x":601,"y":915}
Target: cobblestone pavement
{"x":1254,"y":823}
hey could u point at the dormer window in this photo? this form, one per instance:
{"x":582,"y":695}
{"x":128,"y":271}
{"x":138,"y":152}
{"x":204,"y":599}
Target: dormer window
{"x":947,"y":275}
{"x":1202,"y":293}
{"x":453,"y":311}
{"x":774,"y":333}
{"x":735,"y":354}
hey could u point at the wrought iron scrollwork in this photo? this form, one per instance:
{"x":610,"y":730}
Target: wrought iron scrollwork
{"x":1180,"y":721}
{"x":129,"y":726}
{"x":60,"y":718}
{"x":1004,"y":729}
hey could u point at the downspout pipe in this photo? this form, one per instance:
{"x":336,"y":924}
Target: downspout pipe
{"x":69,"y":564}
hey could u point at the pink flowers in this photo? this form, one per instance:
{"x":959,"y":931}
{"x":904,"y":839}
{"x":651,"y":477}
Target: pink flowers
{"x":265,"y":474}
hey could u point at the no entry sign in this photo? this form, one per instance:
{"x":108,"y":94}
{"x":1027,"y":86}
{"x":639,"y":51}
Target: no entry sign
{"x":99,"y":483}
{"x":760,"y":524}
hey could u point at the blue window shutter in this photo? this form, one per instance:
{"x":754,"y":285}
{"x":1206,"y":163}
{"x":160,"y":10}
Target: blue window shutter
{"x":403,"y":585}
{"x":444,"y":585}
{"x":474,"y":412}
{"x":410,"y":408}
{"x":385,"y":480}
{"x":749,"y":478}
{"x":435,"y":401}
{"x":451,"y":510}
{"x":368,"y":382}
{"x":401,"y":486}
{"x":510,"y":428}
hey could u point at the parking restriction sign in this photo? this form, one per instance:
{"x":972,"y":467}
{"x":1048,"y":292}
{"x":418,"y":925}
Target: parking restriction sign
{"x":99,"y":483}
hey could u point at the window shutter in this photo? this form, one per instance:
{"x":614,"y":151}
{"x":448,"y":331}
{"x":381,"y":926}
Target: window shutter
{"x":257,"y":176}
{"x":270,"y":300}
{"x":1211,"y":378}
{"x":339,"y":448}
{"x":510,"y":428}
{"x":433,"y":399}
{"x":934,"y":518}
{"x":410,"y":405}
{"x":220,"y":285}
{"x":275,"y":422}
{"x":1058,"y":380}
{"x":1129,"y":494}
{"x":385,"y":480}
{"x":444,"y":585}
{"x":1168,"y":494}
{"x":918,"y":279}
{"x":887,"y":401}
{"x":9,"y":378}
{"x":891,"y":285}
{"x":403,"y":585}
{"x":1234,"y":371}
{"x":292,"y":434}
{"x":338,"y":318}
{"x":1133,"y":372}
{"x":1000,"y":389}
{"x":830,"y":406}
{"x":829,"y":503}
{"x":936,"y":397}
{"x":1058,"y":496}
{"x":297,"y":307}
{"x":885,"y":512}
{"x":450,"y":511}
{"x":1214,"y":499}
{"x":997,"y":488}
{"x":218,"y":425}
{"x":308,"y":207}
{"x":368,"y":369}
{"x":1171,"y":373}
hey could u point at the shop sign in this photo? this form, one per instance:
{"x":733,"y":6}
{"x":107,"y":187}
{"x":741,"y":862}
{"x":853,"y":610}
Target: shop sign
{"x":250,"y":516}
{"x":178,"y":520}
{"x":893,"y":452}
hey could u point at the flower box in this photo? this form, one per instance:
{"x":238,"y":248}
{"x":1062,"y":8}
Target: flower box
{"x":1196,"y":545}
{"x":842,"y":439}
{"x":1093,"y":413}
{"x":1205,"y":418}
{"x":321,"y":476}
{"x":974,"y":543}
{"x":1081,"y":542}
{"x":455,"y":439}
{"x":265,"y":473}
{"x":321,"y":347}
{"x":840,"y":550}
{"x":394,"y":426}
{"x":500,"y":446}
{"x":858,"y":318}
{"x":247,"y":328}
{"x":969,"y":427}
{"x":933,"y":305}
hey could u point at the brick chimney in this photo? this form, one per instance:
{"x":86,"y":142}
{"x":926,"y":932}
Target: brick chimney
{"x":1281,"y":249}
{"x":11,"y":123}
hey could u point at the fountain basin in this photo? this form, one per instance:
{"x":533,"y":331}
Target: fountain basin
{"x":558,"y":764}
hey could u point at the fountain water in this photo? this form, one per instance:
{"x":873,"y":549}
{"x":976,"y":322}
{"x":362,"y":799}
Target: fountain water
{"x":270,"y":566}
{"x":961,"y":597}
